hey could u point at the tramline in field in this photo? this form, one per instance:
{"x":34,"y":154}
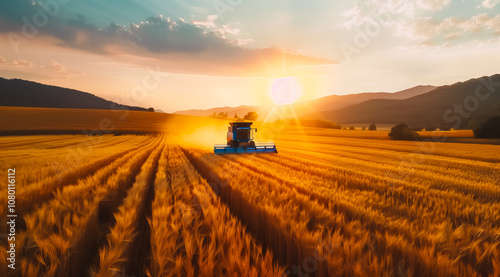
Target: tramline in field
{"x":240,"y":137}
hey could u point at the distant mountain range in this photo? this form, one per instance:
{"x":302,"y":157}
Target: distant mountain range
{"x":21,"y":93}
{"x":450,"y":106}
{"x":326,"y":103}
{"x":334,"y":102}
{"x":462,"y":105}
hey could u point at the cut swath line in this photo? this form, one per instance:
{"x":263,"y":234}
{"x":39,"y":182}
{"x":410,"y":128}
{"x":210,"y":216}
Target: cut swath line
{"x":141,"y":248}
{"x":128,"y":242}
{"x":45,"y":190}
{"x":351,"y":213}
{"x":260,"y":225}
{"x":83,"y":252}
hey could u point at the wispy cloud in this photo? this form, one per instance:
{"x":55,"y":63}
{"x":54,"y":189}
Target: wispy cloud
{"x":392,"y":12}
{"x":53,"y":70}
{"x":55,"y":67}
{"x":420,"y":21}
{"x":209,"y":23}
{"x":452,"y":28}
{"x":433,"y":5}
{"x":490,"y":3}
{"x":16,"y":63}
{"x":22,"y":63}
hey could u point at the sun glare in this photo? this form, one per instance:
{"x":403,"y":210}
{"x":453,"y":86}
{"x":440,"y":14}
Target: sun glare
{"x":285,"y":91}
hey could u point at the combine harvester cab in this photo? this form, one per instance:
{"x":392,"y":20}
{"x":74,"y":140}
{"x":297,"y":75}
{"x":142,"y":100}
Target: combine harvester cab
{"x":240,"y":140}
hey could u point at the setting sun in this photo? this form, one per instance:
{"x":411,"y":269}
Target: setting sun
{"x":285,"y":91}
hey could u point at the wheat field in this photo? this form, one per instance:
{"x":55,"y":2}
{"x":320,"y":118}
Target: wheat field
{"x":158,"y":205}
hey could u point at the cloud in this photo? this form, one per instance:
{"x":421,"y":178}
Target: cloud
{"x":490,"y":3}
{"x":391,"y":12}
{"x":58,"y":71}
{"x":164,"y":35}
{"x":213,"y":48}
{"x":433,"y":5}
{"x":53,"y":70}
{"x":16,"y":63}
{"x":452,"y":28}
{"x":55,"y":67}
{"x":22,"y":63}
{"x":209,"y":23}
{"x":216,"y":50}
{"x":397,"y":13}
{"x":226,"y":29}
{"x":242,"y":42}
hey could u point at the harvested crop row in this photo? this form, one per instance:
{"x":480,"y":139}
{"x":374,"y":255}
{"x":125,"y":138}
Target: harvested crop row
{"x":281,"y":219}
{"x":36,"y":162}
{"x":22,"y":142}
{"x":51,"y":231}
{"x":32,"y":196}
{"x":483,"y":191}
{"x":41,"y":161}
{"x":287,"y":201}
{"x":479,"y":152}
{"x":84,"y":251}
{"x":193,"y":233}
{"x":323,"y":173}
{"x":477,"y":171}
{"x":415,"y":169}
{"x":125,"y":239}
{"x":442,"y":205}
{"x":369,"y":213}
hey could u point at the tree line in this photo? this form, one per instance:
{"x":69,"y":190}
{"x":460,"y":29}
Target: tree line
{"x":252,"y":116}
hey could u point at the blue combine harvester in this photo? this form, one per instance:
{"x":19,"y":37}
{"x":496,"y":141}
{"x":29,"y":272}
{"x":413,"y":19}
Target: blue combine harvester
{"x":240,"y":140}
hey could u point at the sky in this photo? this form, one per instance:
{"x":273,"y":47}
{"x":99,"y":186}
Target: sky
{"x":178,"y":55}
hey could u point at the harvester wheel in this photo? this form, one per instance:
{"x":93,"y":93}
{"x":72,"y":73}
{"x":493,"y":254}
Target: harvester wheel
{"x":252,"y":143}
{"x":233,"y":144}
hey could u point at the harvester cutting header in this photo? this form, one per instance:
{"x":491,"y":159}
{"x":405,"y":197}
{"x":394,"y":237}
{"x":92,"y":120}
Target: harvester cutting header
{"x":240,"y":137}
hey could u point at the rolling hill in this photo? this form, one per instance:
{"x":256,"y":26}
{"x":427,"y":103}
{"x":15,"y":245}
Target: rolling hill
{"x":334,"y":102}
{"x":429,"y":109}
{"x":55,"y":121}
{"x":21,"y":93}
{"x":326,"y":103}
